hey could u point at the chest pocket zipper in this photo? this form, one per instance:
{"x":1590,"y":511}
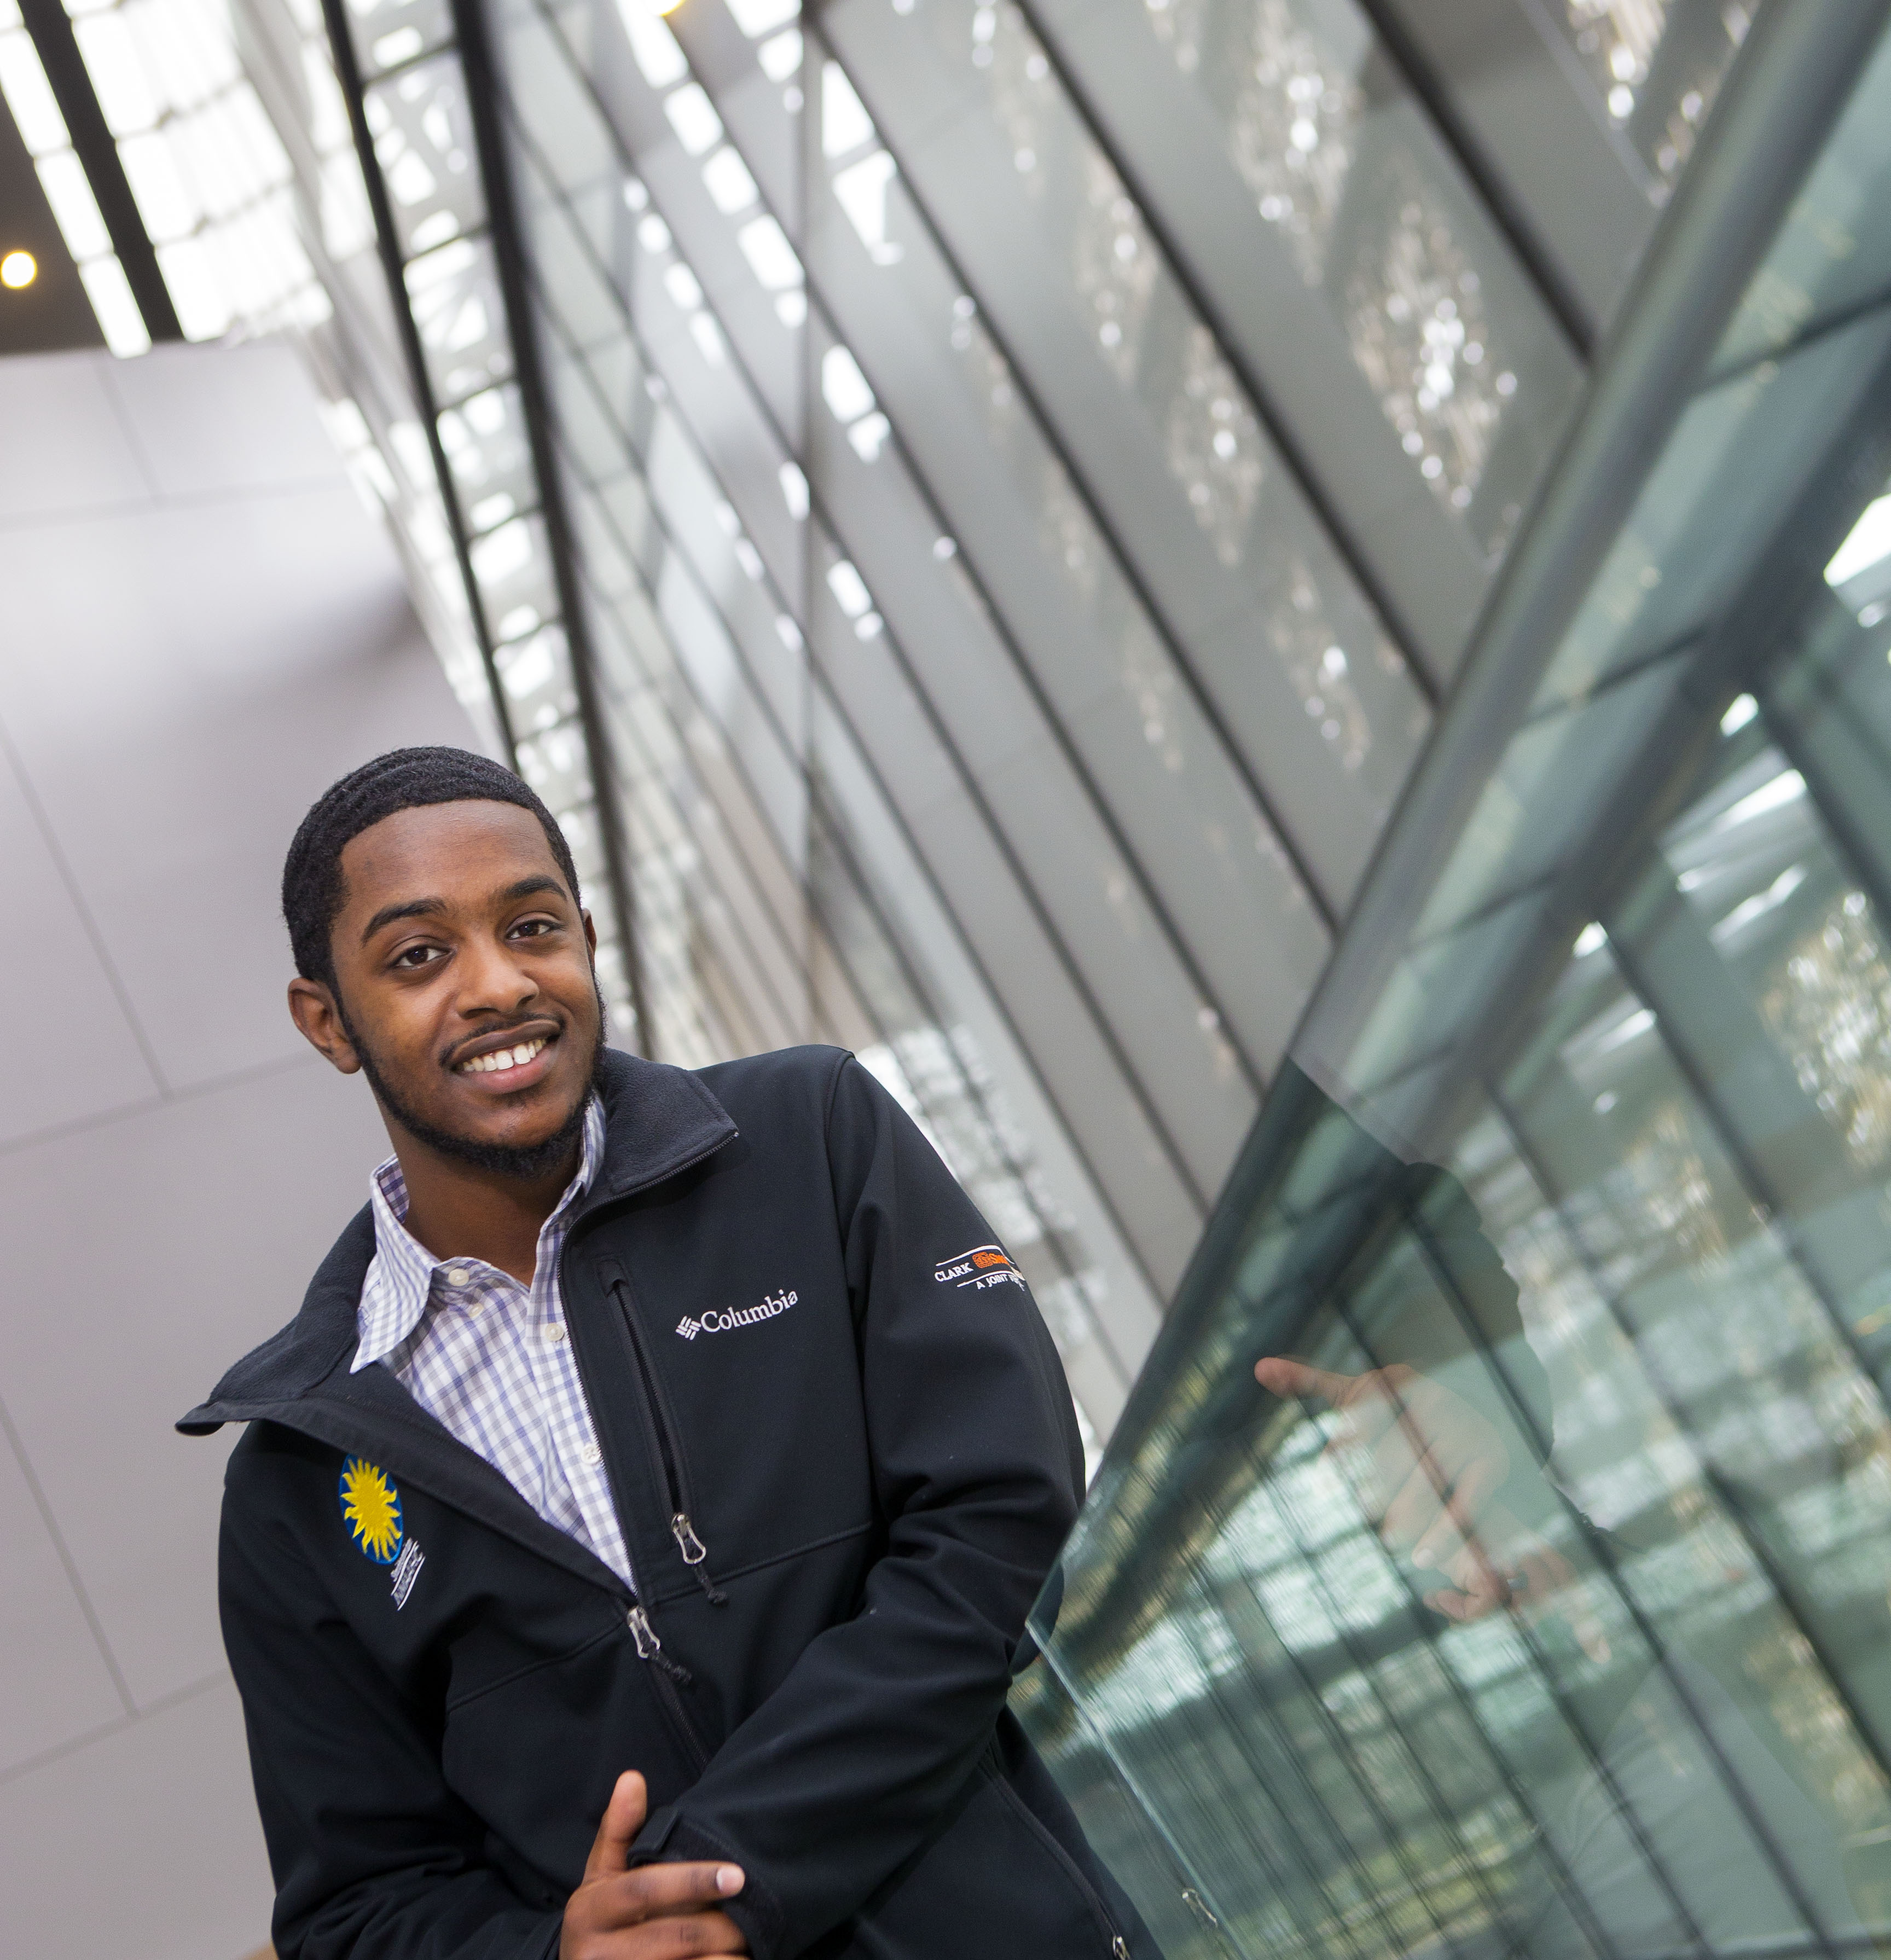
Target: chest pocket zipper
{"x":690,"y":1545}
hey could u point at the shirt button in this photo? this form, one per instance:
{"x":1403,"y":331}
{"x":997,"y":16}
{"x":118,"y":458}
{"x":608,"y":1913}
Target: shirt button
{"x":553,"y":1335}
{"x":591,"y":1453}
{"x":457,"y":1276}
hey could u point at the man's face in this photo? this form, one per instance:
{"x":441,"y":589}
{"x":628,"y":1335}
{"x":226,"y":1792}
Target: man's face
{"x":463,"y":983}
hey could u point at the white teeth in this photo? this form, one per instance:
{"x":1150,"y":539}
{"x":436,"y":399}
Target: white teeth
{"x":504,"y":1058}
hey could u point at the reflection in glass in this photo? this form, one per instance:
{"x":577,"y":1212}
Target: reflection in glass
{"x":1495,"y":1557}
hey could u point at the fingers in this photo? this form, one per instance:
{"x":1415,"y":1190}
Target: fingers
{"x":1455,"y":1522}
{"x":659,"y":1892}
{"x":1417,"y":1506}
{"x":623,"y":1819}
{"x":666,"y":1936}
{"x":695,"y":1934}
{"x":1296,"y":1378}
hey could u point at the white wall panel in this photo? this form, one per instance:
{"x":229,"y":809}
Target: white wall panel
{"x":204,"y":629}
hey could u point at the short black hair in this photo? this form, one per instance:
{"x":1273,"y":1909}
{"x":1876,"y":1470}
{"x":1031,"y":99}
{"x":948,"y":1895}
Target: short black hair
{"x":313,"y":891}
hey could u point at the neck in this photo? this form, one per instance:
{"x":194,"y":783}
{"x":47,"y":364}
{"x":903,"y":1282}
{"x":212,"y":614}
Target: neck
{"x":458,"y":1210}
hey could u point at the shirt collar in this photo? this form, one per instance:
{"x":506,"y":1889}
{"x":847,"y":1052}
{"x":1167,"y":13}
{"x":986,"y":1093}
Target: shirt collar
{"x":400,"y":1280}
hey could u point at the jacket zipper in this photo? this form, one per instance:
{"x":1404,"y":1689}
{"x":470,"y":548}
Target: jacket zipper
{"x":668,"y":1676}
{"x":689,"y":1544}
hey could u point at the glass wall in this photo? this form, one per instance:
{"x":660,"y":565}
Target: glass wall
{"x":1495,"y":1557}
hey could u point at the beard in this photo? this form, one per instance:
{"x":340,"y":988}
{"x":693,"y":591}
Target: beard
{"x":527,"y":1161}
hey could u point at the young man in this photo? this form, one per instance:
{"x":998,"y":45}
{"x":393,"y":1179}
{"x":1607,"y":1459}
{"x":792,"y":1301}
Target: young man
{"x":629,"y":1552}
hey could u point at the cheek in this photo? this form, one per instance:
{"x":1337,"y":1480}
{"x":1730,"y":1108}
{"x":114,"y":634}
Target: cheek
{"x":403,"y":1034}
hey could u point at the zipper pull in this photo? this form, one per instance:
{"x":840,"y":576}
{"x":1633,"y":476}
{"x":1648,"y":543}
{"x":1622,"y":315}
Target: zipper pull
{"x":651,"y":1648}
{"x":1119,"y":1947}
{"x":694,"y":1552}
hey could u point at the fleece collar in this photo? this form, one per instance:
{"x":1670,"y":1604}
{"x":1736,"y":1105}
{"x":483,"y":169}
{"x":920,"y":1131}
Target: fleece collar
{"x":658,"y":1120}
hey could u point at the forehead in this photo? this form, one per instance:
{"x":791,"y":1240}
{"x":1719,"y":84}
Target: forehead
{"x":443,"y":851}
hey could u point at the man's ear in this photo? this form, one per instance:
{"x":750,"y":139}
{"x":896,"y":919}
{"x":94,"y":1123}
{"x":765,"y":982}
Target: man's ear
{"x":590,"y":933}
{"x":313,"y":1010}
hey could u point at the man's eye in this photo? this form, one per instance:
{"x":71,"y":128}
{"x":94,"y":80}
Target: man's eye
{"x":535,"y":926}
{"x":412,"y":956}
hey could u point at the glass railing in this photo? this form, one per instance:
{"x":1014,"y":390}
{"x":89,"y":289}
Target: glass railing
{"x":1534,"y":1598}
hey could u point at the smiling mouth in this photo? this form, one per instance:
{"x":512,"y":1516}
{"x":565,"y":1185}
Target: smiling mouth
{"x":501,"y":1060}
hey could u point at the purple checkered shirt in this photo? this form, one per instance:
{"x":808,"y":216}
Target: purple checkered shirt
{"x":489,"y":1358}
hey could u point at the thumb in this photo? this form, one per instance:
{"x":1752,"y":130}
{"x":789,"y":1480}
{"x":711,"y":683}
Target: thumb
{"x":1296,"y":1378}
{"x":623,"y":1819}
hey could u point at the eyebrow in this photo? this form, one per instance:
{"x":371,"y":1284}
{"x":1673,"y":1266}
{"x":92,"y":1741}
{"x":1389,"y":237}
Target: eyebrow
{"x":410,"y":909}
{"x":525,"y":888}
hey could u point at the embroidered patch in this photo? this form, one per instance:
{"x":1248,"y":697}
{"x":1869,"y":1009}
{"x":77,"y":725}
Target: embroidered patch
{"x":723,"y":1320}
{"x":371,"y":1509}
{"x":983,"y":1266}
{"x":406,"y":1571}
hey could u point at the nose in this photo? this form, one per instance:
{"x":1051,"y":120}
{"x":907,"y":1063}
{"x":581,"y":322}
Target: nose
{"x":493,"y":980}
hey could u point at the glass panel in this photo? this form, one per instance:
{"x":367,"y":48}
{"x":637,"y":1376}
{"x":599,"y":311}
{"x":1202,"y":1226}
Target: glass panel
{"x":1588,"y":111}
{"x":1360,"y":276}
{"x":1830,"y":256}
{"x":1495,"y":1557}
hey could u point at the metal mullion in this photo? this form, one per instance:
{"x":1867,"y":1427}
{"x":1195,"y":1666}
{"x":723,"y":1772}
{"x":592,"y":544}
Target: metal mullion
{"x":1026,"y":888}
{"x":704,"y":592}
{"x":1339,"y":1841}
{"x":57,"y":46}
{"x":653,"y":783}
{"x":1780,"y":1213}
{"x":1057,"y":728}
{"x":510,"y":258}
{"x":1341,"y":1743}
{"x":349,"y":74}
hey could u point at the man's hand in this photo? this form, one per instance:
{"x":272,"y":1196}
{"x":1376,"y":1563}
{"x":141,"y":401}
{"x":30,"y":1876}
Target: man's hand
{"x":1423,"y":1462}
{"x":657,"y":1912}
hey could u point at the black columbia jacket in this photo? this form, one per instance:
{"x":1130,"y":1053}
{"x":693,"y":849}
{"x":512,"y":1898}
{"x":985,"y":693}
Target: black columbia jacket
{"x":844,"y":1458}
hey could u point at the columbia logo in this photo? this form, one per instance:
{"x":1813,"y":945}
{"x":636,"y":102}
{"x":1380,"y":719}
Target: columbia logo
{"x":721,"y":1320}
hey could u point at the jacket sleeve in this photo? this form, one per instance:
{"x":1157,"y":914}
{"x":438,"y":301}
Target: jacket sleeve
{"x":840,"y":1775}
{"x":373,"y":1858}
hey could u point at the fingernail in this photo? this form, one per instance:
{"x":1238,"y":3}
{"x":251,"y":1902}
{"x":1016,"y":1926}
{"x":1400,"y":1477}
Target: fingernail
{"x":729,"y":1879}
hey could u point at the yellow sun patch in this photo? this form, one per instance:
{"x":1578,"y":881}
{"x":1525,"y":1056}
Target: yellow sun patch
{"x":371,"y":1509}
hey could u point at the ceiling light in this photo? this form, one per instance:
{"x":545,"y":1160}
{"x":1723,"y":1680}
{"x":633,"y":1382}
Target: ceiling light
{"x":18,"y":269}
